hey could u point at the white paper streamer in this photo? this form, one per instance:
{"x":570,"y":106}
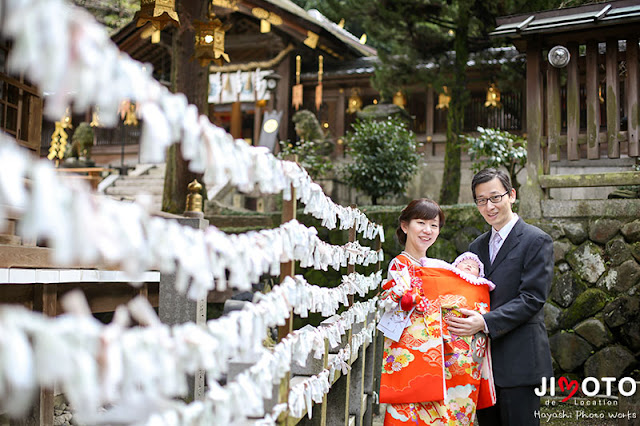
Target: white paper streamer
{"x":71,"y":57}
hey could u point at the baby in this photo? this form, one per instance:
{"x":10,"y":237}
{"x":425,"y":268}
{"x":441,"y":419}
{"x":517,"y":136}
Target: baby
{"x":470,"y":263}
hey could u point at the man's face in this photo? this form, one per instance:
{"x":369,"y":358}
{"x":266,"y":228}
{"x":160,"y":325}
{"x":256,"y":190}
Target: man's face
{"x":496,"y":214}
{"x":470,"y":266}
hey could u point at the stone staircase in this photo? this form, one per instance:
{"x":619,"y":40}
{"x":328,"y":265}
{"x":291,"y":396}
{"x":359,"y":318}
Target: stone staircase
{"x":144,"y":179}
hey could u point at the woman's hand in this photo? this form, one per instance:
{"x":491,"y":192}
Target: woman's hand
{"x":466,"y":326}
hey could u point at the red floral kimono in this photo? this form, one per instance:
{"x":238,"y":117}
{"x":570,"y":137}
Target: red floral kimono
{"x":430,"y":377}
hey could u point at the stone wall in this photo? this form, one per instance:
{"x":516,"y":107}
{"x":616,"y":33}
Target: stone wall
{"x":592,"y":312}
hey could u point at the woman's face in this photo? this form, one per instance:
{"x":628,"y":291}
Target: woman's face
{"x":421,"y":234}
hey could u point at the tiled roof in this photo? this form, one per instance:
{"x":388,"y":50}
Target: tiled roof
{"x":366,"y":65}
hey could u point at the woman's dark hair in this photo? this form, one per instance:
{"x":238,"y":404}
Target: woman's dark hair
{"x":422,"y":208}
{"x":486,"y":175}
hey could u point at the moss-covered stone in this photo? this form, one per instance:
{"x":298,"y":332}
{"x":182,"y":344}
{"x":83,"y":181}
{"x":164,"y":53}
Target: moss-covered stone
{"x":551,"y":317}
{"x":565,"y":289}
{"x":587,"y":262}
{"x":585,"y":305}
{"x":617,"y":251}
{"x":630,"y":333}
{"x":553,"y":228}
{"x":569,"y":350}
{"x":635,"y":251}
{"x":560,"y":250}
{"x":602,"y":230}
{"x":576,"y":232}
{"x":612,"y":361}
{"x":622,"y":310}
{"x":631,"y":231}
{"x":594,"y":332}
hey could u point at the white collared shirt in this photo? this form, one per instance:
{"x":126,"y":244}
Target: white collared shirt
{"x":504,"y":232}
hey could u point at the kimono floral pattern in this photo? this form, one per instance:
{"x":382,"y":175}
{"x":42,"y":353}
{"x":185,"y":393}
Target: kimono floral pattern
{"x":427,"y":346}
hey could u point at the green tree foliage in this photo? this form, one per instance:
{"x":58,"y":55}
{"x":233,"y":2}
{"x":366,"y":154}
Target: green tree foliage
{"x":114,"y":14}
{"x":384,"y":157}
{"x":313,"y":148}
{"x":496,"y":148}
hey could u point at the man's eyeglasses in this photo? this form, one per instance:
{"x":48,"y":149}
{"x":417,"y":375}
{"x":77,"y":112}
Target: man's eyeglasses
{"x":494,"y":199}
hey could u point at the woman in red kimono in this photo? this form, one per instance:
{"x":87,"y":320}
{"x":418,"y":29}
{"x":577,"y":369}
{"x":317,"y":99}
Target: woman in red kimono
{"x":430,"y":377}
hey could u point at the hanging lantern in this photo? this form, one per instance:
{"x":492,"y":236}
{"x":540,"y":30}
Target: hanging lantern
{"x":399,"y":99}
{"x":355,"y":102}
{"x":159,"y":13}
{"x":493,"y":97}
{"x":210,"y":41}
{"x":443,"y":98}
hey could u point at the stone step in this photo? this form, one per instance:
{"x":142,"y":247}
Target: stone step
{"x":140,"y":181}
{"x":10,"y":239}
{"x":240,"y":221}
{"x":156,"y":200}
{"x":134,"y":190}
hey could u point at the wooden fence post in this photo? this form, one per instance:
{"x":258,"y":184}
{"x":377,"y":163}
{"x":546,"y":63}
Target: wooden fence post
{"x":287,"y":270}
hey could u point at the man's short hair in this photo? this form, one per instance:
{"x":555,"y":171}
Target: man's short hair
{"x":488,"y":174}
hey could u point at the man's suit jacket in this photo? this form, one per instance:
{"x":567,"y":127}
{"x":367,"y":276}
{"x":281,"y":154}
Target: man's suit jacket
{"x":522,"y":272}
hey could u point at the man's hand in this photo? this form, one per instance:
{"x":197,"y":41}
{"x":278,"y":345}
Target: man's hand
{"x":466,"y":326}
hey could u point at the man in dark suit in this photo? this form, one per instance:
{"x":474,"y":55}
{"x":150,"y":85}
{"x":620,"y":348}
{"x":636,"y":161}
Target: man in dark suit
{"x":518,"y":258}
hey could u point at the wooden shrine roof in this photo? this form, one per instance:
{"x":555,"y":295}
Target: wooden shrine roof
{"x":612,"y":16}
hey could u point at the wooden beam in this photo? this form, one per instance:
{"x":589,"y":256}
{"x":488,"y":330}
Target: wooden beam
{"x":590,"y":180}
{"x":573,"y":103}
{"x":613,"y":112}
{"x":554,"y":124}
{"x":593,"y":101}
{"x":632,"y":96}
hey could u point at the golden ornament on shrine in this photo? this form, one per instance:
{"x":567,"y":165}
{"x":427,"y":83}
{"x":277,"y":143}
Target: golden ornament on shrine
{"x":159,"y":13}
{"x":493,"y":97}
{"x":319,"y":86}
{"x":443,"y":98}
{"x":355,"y":102}
{"x":296,"y":90}
{"x":399,"y":99}
{"x":59,"y":138}
{"x":95,"y":118}
{"x":210,"y":41}
{"x":194,"y":199}
{"x":127,"y":112}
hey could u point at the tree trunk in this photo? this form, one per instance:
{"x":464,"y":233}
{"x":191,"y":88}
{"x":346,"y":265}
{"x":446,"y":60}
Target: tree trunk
{"x":450,"y":189}
{"x":190,"y":78}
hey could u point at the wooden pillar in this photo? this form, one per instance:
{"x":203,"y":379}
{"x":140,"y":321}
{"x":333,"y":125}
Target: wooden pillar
{"x":350,"y":269}
{"x":282,"y":100}
{"x":632,"y":97}
{"x":45,"y":300}
{"x":573,"y":103}
{"x":531,"y":192}
{"x":553,"y":113}
{"x":236,"y":120}
{"x":257,"y":125}
{"x":341,"y":108}
{"x":613,"y":112}
{"x":593,"y":101}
